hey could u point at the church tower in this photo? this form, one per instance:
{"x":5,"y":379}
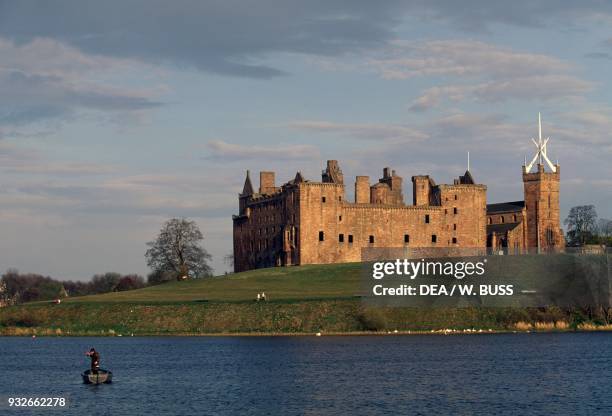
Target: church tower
{"x":541,"y":189}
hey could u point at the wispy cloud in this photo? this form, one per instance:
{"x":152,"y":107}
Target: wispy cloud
{"x":465,"y":58}
{"x":228,"y":38}
{"x":543,"y":87}
{"x":388,"y":132}
{"x":598,"y":55}
{"x":219,"y":149}
{"x":478,"y":71}
{"x":45,"y":80}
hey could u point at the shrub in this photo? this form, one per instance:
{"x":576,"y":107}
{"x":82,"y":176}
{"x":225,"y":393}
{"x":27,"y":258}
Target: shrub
{"x":372,"y":320}
{"x":26,"y":320}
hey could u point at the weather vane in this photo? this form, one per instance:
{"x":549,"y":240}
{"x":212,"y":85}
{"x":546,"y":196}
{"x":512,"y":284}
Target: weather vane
{"x":540,"y":155}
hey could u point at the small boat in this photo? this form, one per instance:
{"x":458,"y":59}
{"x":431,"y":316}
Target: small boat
{"x":99,"y":377}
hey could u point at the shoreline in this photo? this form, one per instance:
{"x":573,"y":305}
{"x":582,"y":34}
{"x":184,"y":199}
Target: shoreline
{"x":339,"y":317}
{"x":52,"y":333}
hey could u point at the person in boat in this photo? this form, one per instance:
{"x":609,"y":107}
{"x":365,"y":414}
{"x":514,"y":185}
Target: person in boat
{"x":95,"y":360}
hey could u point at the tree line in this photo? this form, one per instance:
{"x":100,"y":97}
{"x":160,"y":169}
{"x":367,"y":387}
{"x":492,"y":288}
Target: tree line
{"x":176,"y":254}
{"x":584,"y":227}
{"x":18,"y":287}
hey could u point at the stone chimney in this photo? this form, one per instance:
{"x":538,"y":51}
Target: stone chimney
{"x":266,"y":183}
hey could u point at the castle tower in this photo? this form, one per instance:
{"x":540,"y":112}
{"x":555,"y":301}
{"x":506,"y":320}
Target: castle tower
{"x":394,"y":182}
{"x":421,"y":190}
{"x":362,"y":189}
{"x":541,"y":190}
{"x":333,"y":173}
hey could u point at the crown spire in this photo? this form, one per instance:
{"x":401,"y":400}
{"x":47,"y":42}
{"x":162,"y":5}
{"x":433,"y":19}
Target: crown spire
{"x":540,"y":155}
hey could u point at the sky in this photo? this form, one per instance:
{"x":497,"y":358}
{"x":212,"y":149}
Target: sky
{"x":116,"y":116}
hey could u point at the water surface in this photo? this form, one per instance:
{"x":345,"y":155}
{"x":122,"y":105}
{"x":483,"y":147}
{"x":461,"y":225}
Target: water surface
{"x":539,"y":374}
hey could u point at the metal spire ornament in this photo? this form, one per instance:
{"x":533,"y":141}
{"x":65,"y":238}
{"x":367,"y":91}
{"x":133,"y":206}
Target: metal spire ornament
{"x":540,"y":155}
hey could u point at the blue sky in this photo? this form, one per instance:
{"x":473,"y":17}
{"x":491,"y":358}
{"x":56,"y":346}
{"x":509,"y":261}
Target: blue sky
{"x":115,"y":116}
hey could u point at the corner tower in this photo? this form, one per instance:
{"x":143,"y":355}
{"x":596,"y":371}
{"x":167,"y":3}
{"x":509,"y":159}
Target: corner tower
{"x":541,"y":189}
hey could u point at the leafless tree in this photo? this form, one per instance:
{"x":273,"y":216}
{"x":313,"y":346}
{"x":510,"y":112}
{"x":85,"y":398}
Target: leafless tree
{"x":229,"y":260}
{"x":581,"y":224}
{"x":604,"y":227}
{"x":178,"y":250}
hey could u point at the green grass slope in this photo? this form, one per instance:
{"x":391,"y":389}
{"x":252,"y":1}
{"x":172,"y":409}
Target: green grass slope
{"x":302,"y":299}
{"x":280,"y":283}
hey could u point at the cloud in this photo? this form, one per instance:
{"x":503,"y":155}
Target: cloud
{"x":58,"y":168}
{"x":482,"y":72}
{"x":481,"y":15}
{"x":460,"y":58}
{"x":234,"y":38}
{"x":598,"y":55}
{"x":47,"y":81}
{"x":133,"y":196}
{"x":229,"y":37}
{"x":452,"y":131}
{"x":545,"y":87}
{"x":389,"y":132}
{"x":32,"y":98}
{"x":231,"y":151}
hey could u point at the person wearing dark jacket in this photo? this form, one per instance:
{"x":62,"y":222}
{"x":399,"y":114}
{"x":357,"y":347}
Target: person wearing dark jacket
{"x":95,"y":360}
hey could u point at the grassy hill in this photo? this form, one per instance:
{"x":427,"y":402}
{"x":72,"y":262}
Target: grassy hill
{"x":280,"y":283}
{"x":303,"y":299}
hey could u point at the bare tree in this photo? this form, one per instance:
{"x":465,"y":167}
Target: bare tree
{"x":604,"y":227}
{"x":104,"y":283}
{"x":177,"y":250}
{"x":581,"y":224}
{"x":229,"y":261}
{"x":130,"y":282}
{"x":5,"y":298}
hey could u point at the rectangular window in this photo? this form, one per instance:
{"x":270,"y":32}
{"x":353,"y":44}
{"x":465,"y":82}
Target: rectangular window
{"x":454,"y":226}
{"x":455,"y":197}
{"x":454,"y":240}
{"x":350,"y":238}
{"x":426,"y":218}
{"x":340,"y":218}
{"x":434,"y":238}
{"x":406,"y":238}
{"x":341,"y":238}
{"x":340,"y":198}
{"x":455,"y":211}
{"x":323,"y":199}
{"x":321,"y":236}
{"x":371,"y":239}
